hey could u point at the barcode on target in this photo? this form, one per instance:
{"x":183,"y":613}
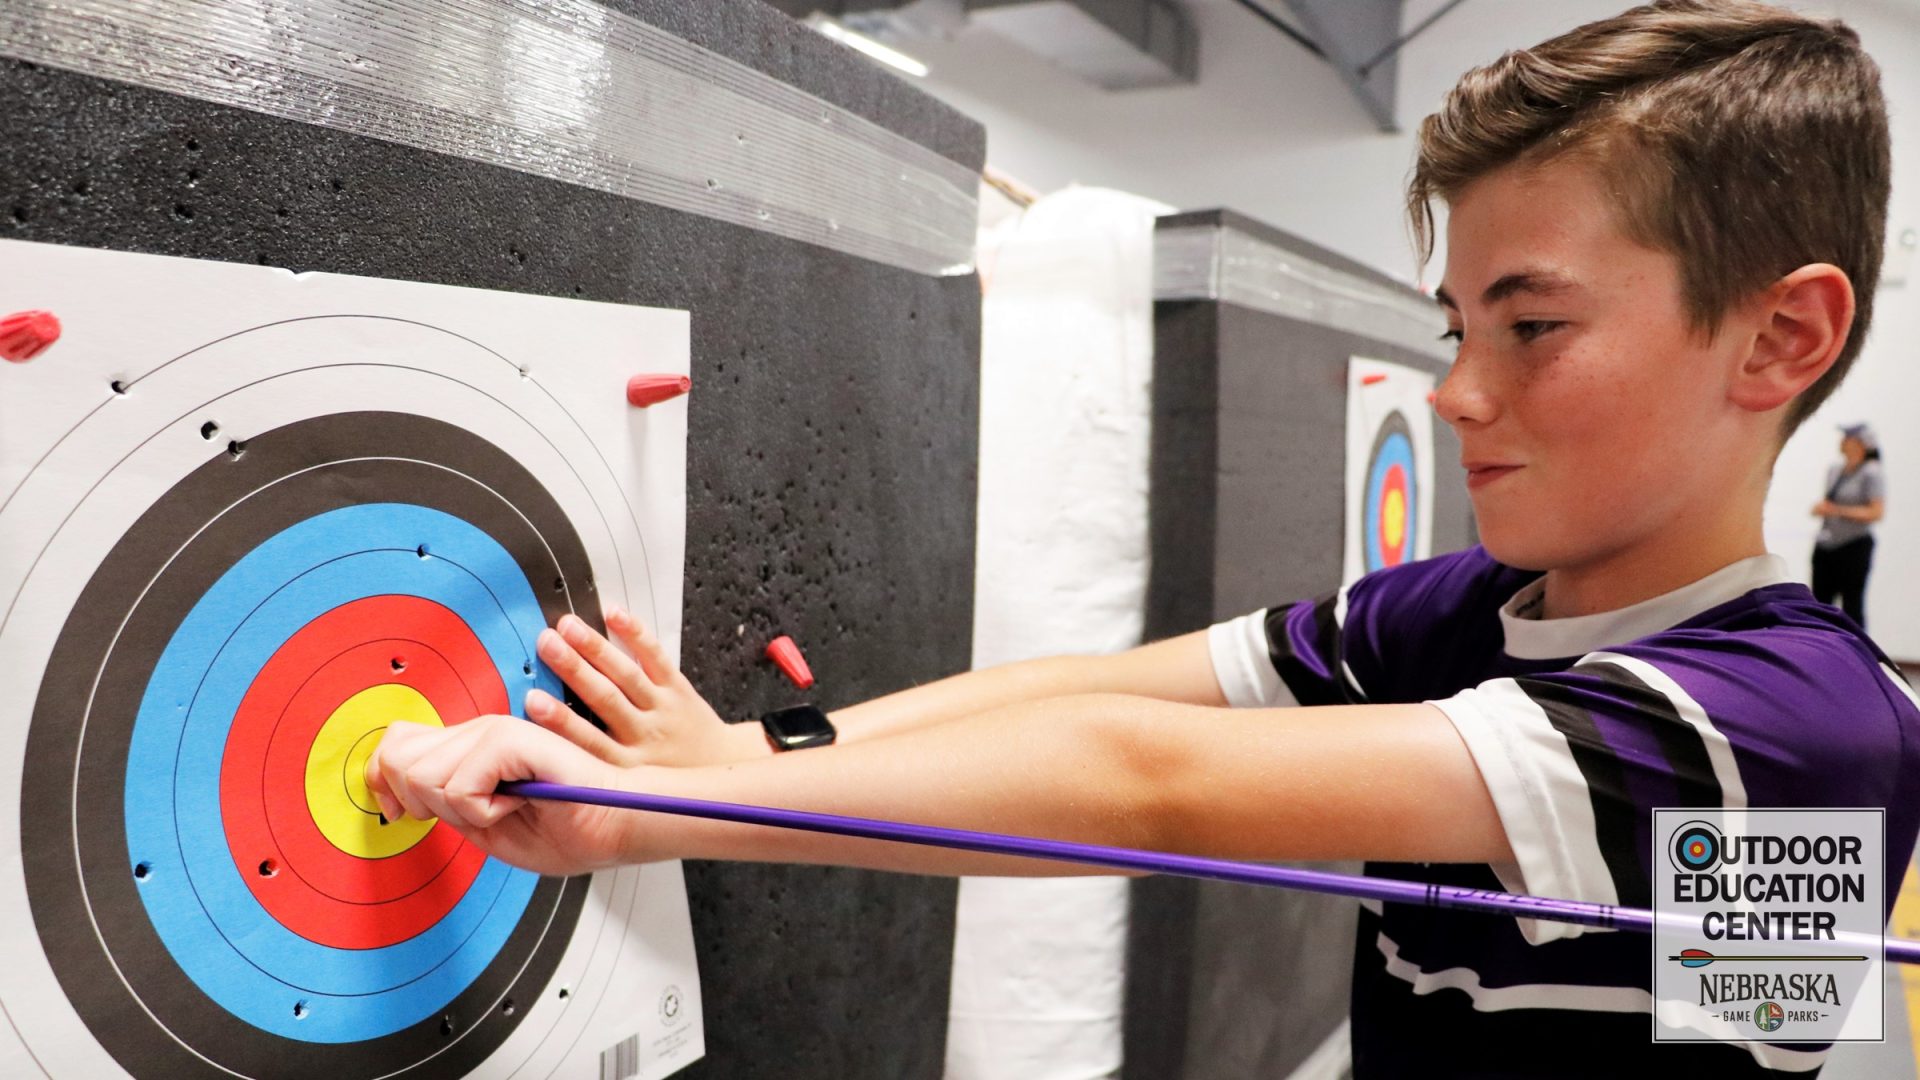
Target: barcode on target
{"x":621,"y":1060}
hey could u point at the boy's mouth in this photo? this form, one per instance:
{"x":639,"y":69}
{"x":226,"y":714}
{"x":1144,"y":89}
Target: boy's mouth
{"x":1481,"y":473}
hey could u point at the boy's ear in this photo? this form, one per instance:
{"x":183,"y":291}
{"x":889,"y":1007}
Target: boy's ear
{"x":1802,"y":324}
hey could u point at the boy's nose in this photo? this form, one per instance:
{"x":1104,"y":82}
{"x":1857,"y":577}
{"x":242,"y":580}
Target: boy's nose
{"x":1463,"y":397}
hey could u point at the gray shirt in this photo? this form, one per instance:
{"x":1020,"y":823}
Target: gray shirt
{"x":1858,"y":488}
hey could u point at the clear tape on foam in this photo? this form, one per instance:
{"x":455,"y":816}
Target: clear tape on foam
{"x":1216,"y":262}
{"x":564,"y":89}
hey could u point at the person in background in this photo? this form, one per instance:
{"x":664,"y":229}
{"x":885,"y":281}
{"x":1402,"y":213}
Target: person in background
{"x":1856,"y":498}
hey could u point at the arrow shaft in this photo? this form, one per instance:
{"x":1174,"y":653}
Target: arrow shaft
{"x":1386,"y":890}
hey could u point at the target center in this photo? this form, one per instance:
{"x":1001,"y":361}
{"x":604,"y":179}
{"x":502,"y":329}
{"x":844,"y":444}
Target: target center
{"x":1395,"y":518}
{"x":345,"y":812}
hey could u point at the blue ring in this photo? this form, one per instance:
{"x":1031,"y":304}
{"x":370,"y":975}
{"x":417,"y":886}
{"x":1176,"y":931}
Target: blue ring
{"x":173,"y":775}
{"x":1396,"y":449}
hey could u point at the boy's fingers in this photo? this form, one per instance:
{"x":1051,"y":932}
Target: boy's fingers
{"x":410,"y":804}
{"x":377,"y":786}
{"x":470,"y":789}
{"x":511,"y":751}
{"x":401,"y":745}
{"x":617,"y":666}
{"x":599,"y":692}
{"x":554,"y":715}
{"x":645,"y":647}
{"x":428,"y":775}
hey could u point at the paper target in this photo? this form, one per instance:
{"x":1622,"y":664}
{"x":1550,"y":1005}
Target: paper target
{"x":1388,"y":509}
{"x":1389,"y":466}
{"x":235,"y":554}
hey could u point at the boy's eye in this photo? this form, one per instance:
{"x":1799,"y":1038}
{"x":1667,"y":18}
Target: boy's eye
{"x":1529,"y":329}
{"x":1453,"y":335}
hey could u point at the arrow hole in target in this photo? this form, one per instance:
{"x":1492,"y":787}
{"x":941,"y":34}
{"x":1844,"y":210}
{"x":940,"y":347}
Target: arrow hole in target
{"x":142,"y":871}
{"x":446,"y":1025}
{"x":399,"y":664}
{"x":508,"y":1007}
{"x":269,"y":868}
{"x":118,"y":386}
{"x":421,"y":551}
{"x":235,"y":448}
{"x":300,"y":1010}
{"x":208,"y":430}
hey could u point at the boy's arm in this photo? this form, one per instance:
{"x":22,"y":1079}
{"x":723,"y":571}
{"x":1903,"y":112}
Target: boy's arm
{"x":1176,"y":670}
{"x":1390,"y":782}
{"x":655,"y":715}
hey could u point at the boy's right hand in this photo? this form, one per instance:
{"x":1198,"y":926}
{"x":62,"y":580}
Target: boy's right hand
{"x":654,"y":716}
{"x":451,"y":773}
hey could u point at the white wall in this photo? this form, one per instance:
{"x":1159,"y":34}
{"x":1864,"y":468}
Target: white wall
{"x":1884,"y":388}
{"x":1270,"y":130}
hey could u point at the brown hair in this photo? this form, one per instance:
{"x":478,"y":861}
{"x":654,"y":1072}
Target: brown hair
{"x":1745,"y":139}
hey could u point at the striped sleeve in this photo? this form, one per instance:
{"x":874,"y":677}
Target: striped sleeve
{"x":1577,"y":760}
{"x":1288,"y":655}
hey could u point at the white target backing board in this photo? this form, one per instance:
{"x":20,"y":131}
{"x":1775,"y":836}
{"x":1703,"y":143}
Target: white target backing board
{"x":1389,"y":466}
{"x":247,"y":518}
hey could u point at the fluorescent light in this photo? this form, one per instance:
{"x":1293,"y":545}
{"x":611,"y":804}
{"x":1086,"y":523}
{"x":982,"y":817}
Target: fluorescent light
{"x":890,"y":57}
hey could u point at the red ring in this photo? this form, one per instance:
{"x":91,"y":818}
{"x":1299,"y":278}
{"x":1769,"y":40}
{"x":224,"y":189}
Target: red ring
{"x":317,"y":668}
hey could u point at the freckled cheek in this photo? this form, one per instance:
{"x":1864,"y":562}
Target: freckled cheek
{"x":1596,"y":431}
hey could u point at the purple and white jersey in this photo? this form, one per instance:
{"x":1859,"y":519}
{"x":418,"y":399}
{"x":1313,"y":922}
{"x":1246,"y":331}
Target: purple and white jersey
{"x":1738,"y":690}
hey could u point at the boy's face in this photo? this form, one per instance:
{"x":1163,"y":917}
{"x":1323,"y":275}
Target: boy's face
{"x":1589,"y":410}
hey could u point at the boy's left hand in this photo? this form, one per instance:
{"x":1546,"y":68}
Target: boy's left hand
{"x":654,"y":716}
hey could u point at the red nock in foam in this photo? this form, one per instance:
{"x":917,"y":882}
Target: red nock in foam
{"x":784,"y":653}
{"x":26,"y":334}
{"x":645,"y":390}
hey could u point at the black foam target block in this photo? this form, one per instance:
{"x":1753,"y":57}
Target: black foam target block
{"x":831,"y":456}
{"x":1247,"y":510}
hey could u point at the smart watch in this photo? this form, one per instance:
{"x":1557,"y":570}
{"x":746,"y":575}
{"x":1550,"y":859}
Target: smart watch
{"x":797,"y":727}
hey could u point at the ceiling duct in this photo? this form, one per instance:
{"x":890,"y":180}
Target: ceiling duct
{"x":886,"y":19}
{"x":1117,"y":44}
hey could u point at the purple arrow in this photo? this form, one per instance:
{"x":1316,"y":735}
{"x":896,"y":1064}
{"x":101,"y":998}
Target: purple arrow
{"x":1387,"y":890}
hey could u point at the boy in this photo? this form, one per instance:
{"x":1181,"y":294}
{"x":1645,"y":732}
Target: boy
{"x":1663,"y":240}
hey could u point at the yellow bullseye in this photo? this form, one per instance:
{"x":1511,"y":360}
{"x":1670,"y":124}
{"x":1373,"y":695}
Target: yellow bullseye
{"x":1394,"y":518}
{"x":337,"y":796}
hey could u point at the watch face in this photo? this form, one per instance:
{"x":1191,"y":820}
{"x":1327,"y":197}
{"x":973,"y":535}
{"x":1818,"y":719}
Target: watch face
{"x":799,"y":726}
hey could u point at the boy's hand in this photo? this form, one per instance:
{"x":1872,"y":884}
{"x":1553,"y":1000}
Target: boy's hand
{"x":1824,"y":508}
{"x":450,"y":773}
{"x":653,"y":714}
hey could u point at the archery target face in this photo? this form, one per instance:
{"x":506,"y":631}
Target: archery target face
{"x":1389,"y":466}
{"x":239,"y":547}
{"x":1387,"y":509}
